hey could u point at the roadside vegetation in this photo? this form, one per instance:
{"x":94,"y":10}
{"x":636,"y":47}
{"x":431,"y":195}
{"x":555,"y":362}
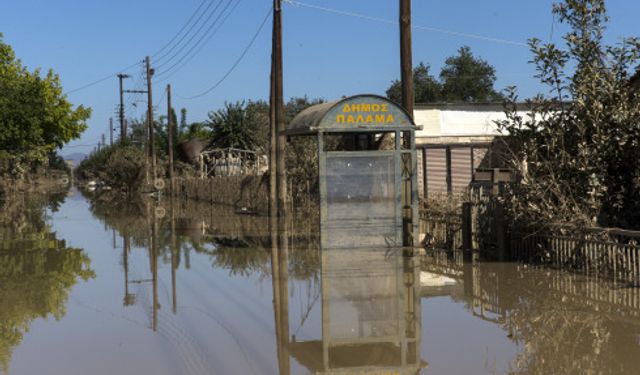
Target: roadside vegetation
{"x":576,"y":153}
{"x":121,"y":167}
{"x":36,"y":120}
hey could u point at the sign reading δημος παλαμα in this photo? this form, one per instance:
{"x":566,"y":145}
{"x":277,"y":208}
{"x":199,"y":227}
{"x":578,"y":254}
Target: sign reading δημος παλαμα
{"x":366,"y":111}
{"x":365,"y":114}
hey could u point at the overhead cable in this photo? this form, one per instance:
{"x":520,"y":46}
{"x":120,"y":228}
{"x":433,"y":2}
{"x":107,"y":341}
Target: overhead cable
{"x":133,"y":65}
{"x":101,"y":79}
{"x":166,"y":74}
{"x":235,"y":65}
{"x":417,"y":27}
{"x":181,"y":29}
{"x":178,"y":50}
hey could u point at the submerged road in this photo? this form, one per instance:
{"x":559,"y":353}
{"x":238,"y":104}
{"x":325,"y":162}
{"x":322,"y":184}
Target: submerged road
{"x":91,"y":288}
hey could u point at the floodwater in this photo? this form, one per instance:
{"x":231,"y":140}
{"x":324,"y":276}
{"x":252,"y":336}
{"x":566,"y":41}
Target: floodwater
{"x":104,"y":288}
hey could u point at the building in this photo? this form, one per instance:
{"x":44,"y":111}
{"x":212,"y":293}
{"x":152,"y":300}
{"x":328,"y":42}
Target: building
{"x":457,"y":143}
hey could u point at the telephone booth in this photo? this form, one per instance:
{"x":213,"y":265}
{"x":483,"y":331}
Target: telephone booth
{"x":367,"y":171}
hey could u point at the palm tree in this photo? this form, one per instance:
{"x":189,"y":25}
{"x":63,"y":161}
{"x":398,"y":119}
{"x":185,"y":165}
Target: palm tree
{"x":233,"y":126}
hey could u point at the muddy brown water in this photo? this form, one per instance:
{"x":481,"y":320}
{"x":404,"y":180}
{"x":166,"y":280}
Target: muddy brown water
{"x":91,"y":288}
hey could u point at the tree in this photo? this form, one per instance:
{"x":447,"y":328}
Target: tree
{"x":259,"y":111}
{"x":162,"y":133}
{"x":576,"y":152}
{"x":35,"y":116}
{"x":467,"y":78}
{"x":233,"y":126}
{"x":463,"y":78}
{"x":183,"y":120}
{"x":426,"y":87}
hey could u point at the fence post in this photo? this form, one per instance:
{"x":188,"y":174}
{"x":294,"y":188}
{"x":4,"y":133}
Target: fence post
{"x":467,"y":233}
{"x":495,"y":181}
{"x":501,"y":232}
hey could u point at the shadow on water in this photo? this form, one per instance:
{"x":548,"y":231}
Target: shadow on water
{"x":37,"y":269}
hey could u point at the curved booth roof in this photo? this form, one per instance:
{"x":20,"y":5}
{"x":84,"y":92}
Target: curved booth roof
{"x":360,"y":113}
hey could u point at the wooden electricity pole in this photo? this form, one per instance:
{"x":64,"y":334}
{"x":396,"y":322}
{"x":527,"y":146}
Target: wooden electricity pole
{"x":273,"y":133}
{"x":170,"y":126}
{"x":406,"y":58}
{"x":123,"y":126}
{"x":110,"y":131}
{"x":150,"y":125}
{"x":279,"y":186}
{"x":409,"y":217}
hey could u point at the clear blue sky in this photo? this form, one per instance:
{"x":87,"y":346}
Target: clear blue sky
{"x":325,"y":54}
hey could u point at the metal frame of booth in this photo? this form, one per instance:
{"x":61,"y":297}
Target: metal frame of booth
{"x":330,"y":118}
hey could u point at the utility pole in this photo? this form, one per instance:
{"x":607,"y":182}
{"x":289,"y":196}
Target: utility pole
{"x":409,"y":216}
{"x":123,"y":126}
{"x":110,"y":131}
{"x":150,"y":126}
{"x":406,"y":58}
{"x":170,"y":126}
{"x":277,"y":114}
{"x":273,"y":132}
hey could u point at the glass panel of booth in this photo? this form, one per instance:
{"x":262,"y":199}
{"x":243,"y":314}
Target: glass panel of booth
{"x":361,"y":199}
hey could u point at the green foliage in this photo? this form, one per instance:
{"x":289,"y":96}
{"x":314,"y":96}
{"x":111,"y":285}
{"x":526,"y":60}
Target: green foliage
{"x":125,"y":169}
{"x":427,"y":89}
{"x":259,"y":111}
{"x":183,"y":120}
{"x":35,"y":116}
{"x":577,"y":151}
{"x":234,"y":126}
{"x":197,"y":130}
{"x":94,"y":166}
{"x":463,"y":78}
{"x":468,"y":78}
{"x":121,"y":167}
{"x":302,"y":154}
{"x":138,"y":131}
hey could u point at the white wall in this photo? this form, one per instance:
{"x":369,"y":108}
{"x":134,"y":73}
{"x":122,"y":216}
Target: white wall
{"x":448,"y":123}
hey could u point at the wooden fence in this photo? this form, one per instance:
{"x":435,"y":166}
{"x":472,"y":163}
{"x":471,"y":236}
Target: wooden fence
{"x":595,"y":251}
{"x":481,"y":227}
{"x":441,"y":231}
{"x":250,"y":192}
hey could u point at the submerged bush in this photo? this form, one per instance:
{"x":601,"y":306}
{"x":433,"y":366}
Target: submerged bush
{"x":125,"y":169}
{"x":121,"y":167}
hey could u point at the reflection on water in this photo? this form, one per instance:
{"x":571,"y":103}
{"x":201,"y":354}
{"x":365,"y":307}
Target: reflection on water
{"x":37,"y":270}
{"x":370,"y":315}
{"x":200,"y":289}
{"x":561,"y":322}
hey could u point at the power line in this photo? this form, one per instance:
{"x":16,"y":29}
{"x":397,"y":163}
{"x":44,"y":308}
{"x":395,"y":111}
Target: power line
{"x":181,"y":30}
{"x":178,"y":51}
{"x":202,"y":14}
{"x":101,"y":79}
{"x":199,"y":48}
{"x":237,"y":62}
{"x":98,"y":81}
{"x":164,"y":93}
{"x":417,"y":27}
